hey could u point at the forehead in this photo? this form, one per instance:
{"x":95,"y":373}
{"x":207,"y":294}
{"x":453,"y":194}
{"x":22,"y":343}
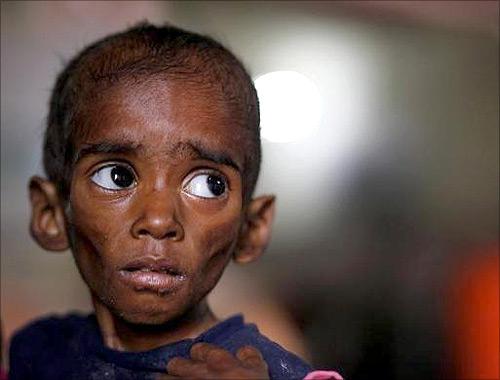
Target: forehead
{"x":159,"y":114}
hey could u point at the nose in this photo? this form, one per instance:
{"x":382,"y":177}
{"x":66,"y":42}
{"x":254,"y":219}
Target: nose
{"x":157,"y":218}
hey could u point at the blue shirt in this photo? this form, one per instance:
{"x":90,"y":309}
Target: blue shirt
{"x":71,"y":347}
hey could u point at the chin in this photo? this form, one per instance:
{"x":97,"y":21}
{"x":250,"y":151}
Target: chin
{"x":146,"y":319}
{"x":147,"y":312}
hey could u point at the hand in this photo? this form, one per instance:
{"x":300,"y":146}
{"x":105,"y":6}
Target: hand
{"x":212,"y":362}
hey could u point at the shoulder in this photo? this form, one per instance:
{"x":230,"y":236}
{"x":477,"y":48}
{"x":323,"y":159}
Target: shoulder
{"x":282,"y":364}
{"x":43,"y":339}
{"x":49,"y":328}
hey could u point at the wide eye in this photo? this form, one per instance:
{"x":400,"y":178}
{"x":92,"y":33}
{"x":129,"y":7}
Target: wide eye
{"x":206,"y":185}
{"x":114,"y":177}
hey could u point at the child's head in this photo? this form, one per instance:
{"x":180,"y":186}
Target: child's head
{"x":152,"y":153}
{"x":147,"y":54}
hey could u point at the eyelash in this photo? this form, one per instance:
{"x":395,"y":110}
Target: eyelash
{"x":212,"y":185}
{"x":110,"y":164}
{"x":206,"y":170}
{"x":107,"y":163}
{"x":186,"y":179}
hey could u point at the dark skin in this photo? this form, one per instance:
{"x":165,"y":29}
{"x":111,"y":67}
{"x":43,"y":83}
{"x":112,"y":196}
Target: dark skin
{"x":154,"y":215}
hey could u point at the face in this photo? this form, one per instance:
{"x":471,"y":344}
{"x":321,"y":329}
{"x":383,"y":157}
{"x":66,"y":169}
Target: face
{"x":155,"y":205}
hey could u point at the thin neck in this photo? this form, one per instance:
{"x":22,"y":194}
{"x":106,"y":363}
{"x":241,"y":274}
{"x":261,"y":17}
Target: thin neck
{"x":121,"y":335}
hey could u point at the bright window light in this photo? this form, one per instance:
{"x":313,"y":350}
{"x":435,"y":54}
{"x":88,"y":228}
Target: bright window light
{"x":290,"y":106}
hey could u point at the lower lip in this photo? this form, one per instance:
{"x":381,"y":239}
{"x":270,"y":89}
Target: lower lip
{"x":152,"y":281}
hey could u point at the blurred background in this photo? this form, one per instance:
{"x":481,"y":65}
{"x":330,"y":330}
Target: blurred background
{"x":383,"y":152}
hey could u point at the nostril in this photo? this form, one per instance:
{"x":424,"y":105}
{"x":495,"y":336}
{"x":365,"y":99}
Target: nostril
{"x":171,"y":234}
{"x":142,"y":232}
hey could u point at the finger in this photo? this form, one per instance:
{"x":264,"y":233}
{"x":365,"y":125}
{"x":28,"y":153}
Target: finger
{"x":199,"y":351}
{"x":250,"y":357}
{"x":181,"y":367}
{"x":219,"y":359}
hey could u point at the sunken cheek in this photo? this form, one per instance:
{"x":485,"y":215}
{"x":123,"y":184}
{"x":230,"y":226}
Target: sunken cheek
{"x":95,"y":232}
{"x":217,"y":239}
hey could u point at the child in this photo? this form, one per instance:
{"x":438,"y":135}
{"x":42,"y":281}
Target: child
{"x":152,"y":152}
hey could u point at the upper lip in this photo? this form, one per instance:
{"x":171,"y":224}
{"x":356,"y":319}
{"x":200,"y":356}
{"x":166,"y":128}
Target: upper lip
{"x":152,"y":264}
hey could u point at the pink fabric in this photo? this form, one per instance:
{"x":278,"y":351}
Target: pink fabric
{"x":3,"y":375}
{"x":323,"y":375}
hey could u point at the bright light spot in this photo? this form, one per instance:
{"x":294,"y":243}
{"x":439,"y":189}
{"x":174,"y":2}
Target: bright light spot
{"x":290,"y":106}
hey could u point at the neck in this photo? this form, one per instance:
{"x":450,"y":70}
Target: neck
{"x":121,"y":335}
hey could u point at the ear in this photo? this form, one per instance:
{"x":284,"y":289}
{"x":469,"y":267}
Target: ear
{"x":47,"y":215}
{"x":256,"y":231}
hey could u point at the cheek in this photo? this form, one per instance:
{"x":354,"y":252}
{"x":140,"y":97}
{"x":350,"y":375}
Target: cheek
{"x":88,"y":227}
{"x":216,"y":244}
{"x":91,"y":227}
{"x":212,"y":227}
{"x":93,"y":218}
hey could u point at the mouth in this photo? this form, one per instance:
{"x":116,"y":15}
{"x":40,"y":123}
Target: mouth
{"x":159,"y":276}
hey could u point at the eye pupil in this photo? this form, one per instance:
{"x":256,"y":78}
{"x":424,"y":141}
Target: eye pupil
{"x":121,"y":176}
{"x":216,"y":185}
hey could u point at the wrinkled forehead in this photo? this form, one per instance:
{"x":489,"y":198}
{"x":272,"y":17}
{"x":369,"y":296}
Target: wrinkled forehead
{"x":162,"y":112}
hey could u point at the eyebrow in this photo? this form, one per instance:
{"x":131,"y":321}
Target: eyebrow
{"x":195,"y":148}
{"x":106,"y":147}
{"x":202,"y":152}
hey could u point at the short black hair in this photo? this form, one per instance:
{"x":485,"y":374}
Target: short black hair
{"x":147,"y":50}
